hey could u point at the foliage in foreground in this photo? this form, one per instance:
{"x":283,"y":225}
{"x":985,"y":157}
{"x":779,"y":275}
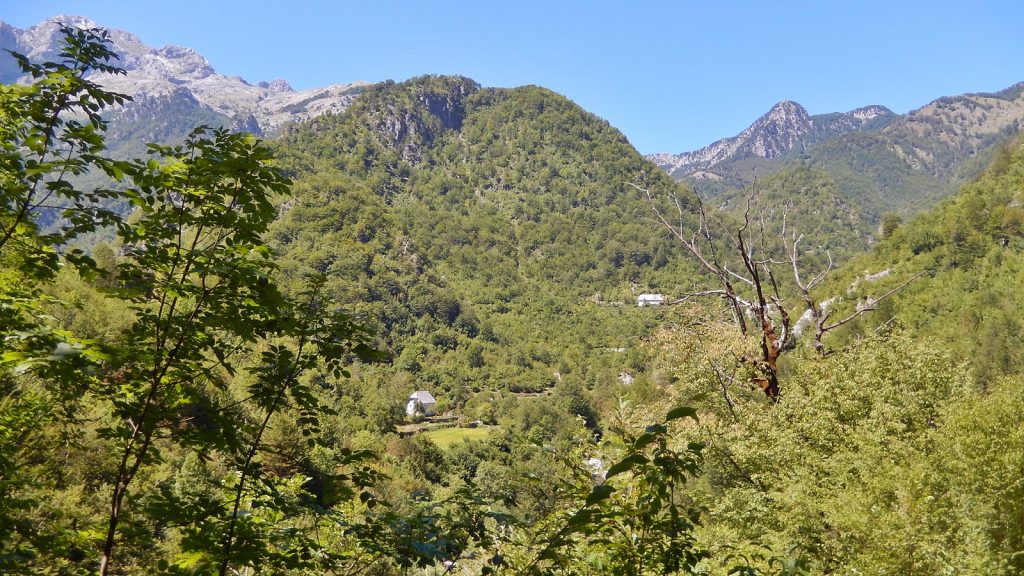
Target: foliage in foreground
{"x":882,"y":458}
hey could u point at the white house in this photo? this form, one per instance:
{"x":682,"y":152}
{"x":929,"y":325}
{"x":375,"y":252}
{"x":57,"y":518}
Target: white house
{"x":650,"y":300}
{"x":420,"y":402}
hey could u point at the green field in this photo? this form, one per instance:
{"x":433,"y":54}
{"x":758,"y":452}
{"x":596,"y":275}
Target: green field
{"x":445,"y":437}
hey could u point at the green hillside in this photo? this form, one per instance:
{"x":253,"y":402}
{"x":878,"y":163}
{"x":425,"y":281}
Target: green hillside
{"x":898,"y":452}
{"x":972,"y":249}
{"x":809,"y":201}
{"x":225,"y":385}
{"x":456,"y":220}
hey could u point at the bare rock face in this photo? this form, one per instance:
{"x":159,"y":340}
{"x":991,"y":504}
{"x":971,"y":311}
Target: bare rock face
{"x":448,"y":105}
{"x":277,"y":86}
{"x":9,"y":70}
{"x":161,"y":74}
{"x":176,"y":63}
{"x":438,"y":104}
{"x":782,"y":129}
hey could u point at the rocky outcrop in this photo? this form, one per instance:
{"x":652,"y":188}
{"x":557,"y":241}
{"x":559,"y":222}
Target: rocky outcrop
{"x":408,"y":125}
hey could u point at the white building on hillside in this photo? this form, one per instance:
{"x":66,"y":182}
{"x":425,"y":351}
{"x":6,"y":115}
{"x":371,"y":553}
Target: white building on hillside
{"x":650,"y":300}
{"x":420,"y":402}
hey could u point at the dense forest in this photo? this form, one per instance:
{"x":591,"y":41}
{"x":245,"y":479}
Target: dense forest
{"x":209,"y":346}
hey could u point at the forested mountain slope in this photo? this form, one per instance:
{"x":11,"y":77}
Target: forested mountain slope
{"x":971,"y":248}
{"x":898,"y":451}
{"x":457,"y":220}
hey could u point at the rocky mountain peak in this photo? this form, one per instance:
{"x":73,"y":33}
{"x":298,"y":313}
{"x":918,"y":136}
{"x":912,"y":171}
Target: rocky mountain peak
{"x":882,"y":160}
{"x":868,"y":113}
{"x":786,"y":112}
{"x":179,"y":74}
{"x":71,"y":21}
{"x":785,"y":128}
{"x":277,"y":85}
{"x":778,"y":131}
{"x":177,"y":62}
{"x":42,"y":41}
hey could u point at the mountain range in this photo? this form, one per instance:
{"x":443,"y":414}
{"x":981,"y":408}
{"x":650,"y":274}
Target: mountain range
{"x":880,"y":160}
{"x":787,"y":127}
{"x":176,"y":82}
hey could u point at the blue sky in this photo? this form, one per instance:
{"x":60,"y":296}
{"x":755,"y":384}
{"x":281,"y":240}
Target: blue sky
{"x":673,"y":76}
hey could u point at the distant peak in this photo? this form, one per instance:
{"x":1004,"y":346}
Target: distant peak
{"x":872,"y":108}
{"x":870,"y":112}
{"x":180,"y":61}
{"x":74,"y":21}
{"x":787,"y":109}
{"x":173,"y":51}
{"x":177,"y":80}
{"x":280,"y":85}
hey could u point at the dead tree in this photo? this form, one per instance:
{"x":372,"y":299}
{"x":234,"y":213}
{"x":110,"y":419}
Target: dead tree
{"x":760,"y":301}
{"x":764,"y":308}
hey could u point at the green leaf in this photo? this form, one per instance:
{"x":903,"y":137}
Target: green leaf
{"x":582,"y":517}
{"x":681,"y":412}
{"x":626,"y":464}
{"x":599,"y":493}
{"x":644,"y":440}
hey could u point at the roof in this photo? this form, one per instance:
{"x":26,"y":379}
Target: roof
{"x":423,"y":397}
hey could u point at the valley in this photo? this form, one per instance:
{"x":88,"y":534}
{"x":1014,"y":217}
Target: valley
{"x":217,"y":297}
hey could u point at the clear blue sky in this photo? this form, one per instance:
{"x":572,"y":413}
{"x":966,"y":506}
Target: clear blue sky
{"x":673,"y":76}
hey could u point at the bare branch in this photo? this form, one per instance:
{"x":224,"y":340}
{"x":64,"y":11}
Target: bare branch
{"x":820,"y":276}
{"x":739,"y":277}
{"x":871,"y":305}
{"x":700,"y":294}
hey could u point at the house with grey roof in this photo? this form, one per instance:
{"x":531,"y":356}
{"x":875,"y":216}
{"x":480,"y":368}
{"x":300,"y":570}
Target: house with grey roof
{"x":420,"y":403}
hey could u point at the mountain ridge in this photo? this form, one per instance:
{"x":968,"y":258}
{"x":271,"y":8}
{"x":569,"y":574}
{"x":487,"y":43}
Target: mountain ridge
{"x":934,"y":139}
{"x":785,"y":127}
{"x":180,"y":75}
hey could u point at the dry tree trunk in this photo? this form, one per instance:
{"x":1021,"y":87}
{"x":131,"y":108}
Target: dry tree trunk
{"x":766,"y":308}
